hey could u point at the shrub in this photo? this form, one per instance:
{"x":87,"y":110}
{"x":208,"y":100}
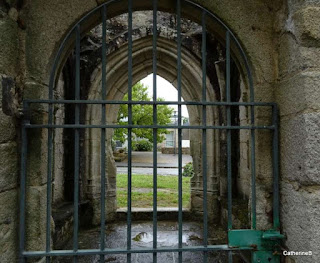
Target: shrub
{"x":188,"y":170}
{"x":142,"y":146}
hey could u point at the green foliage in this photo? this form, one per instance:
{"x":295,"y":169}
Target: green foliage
{"x":142,"y":115}
{"x":142,"y":146}
{"x":146,"y":181}
{"x":188,"y":170}
{"x":167,"y":190}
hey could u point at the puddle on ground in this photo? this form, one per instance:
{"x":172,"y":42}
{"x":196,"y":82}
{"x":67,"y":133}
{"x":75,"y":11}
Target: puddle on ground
{"x":164,"y":239}
{"x":142,"y":237}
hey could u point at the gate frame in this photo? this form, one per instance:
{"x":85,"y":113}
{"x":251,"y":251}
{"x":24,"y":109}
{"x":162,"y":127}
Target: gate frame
{"x":262,"y":243}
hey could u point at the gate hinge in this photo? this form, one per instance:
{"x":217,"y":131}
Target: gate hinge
{"x":254,"y":239}
{"x":264,"y":244}
{"x":272,"y":235}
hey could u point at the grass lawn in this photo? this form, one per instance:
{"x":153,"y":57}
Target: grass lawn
{"x":142,"y":191}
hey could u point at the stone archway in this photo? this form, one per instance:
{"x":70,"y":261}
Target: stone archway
{"x":142,"y":66}
{"x":120,"y":95}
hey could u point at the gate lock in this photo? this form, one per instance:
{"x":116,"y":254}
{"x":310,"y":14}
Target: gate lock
{"x":265,"y":245}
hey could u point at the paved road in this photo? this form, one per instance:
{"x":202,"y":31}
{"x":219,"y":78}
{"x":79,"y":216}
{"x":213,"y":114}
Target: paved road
{"x":148,"y":170}
{"x":142,"y":163}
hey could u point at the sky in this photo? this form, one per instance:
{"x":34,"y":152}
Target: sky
{"x":165,"y":90}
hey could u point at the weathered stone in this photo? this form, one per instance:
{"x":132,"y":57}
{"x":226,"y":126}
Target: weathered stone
{"x":37,"y":157}
{"x":8,"y":226}
{"x":300,"y":148}
{"x":34,"y":90}
{"x":7,"y":128}
{"x":294,"y":58}
{"x":9,"y":101}
{"x":299,"y":93}
{"x":306,"y":23}
{"x":9,"y":166}
{"x":299,"y":213}
{"x":9,"y":44}
{"x":13,"y":14}
{"x":46,"y":17}
{"x":36,"y":218}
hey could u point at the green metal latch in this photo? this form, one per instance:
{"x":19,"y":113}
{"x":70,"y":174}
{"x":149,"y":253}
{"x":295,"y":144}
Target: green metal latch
{"x":264,"y":244}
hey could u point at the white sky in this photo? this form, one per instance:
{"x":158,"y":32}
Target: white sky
{"x":165,"y":90}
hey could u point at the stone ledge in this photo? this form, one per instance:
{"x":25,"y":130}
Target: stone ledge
{"x":163,"y":213}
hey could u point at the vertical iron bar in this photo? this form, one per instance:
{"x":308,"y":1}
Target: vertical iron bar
{"x":103,"y":136}
{"x":253,"y":173}
{"x":204,"y":135}
{"x":22,"y":215}
{"x":228,"y":97}
{"x":129,"y":129}
{"x":49,"y":176}
{"x":230,"y":257}
{"x":155,"y":162}
{"x":179,"y":68}
{"x":229,"y":170}
{"x":275,"y":147}
{"x":253,"y":156}
{"x":76,"y":148}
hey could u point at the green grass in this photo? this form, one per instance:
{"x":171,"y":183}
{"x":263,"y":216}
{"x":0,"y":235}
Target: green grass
{"x":142,"y":195}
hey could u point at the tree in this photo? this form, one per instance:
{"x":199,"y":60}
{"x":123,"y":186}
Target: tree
{"x":142,"y":115}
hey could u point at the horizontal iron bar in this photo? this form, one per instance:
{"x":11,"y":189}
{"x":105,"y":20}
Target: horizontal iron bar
{"x":82,"y":252}
{"x":213,"y":103}
{"x":115,"y":126}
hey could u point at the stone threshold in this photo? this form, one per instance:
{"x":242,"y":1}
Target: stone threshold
{"x":163,"y":213}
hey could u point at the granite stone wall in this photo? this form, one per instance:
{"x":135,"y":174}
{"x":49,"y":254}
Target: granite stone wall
{"x":282,"y":41}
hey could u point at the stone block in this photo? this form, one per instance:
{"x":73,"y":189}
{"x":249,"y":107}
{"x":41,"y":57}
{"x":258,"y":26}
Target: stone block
{"x":37,"y":157}
{"x":36,"y":217}
{"x":7,"y":128}
{"x":294,"y":58}
{"x":263,"y":155}
{"x":300,"y":148}
{"x":34,"y":90}
{"x":300,"y":211}
{"x":9,"y":226}
{"x":9,"y":44}
{"x":9,"y":166}
{"x":299,"y":93}
{"x":48,"y":22}
{"x":306,"y":22}
{"x":295,"y":5}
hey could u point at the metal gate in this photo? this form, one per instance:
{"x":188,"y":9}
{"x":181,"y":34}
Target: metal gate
{"x":263,"y":244}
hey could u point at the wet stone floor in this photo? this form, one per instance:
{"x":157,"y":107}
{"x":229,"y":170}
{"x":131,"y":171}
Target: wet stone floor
{"x":116,"y":237}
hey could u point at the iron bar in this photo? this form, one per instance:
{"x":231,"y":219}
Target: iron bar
{"x":204,"y":135}
{"x":253,"y":176}
{"x":103,"y":136}
{"x":179,"y":74}
{"x":228,"y":98}
{"x":129,"y":201}
{"x":109,"y":251}
{"x":23,"y":172}
{"x":121,"y":102}
{"x":76,"y":147}
{"x":155,"y":130}
{"x":230,"y":257}
{"x":229,"y":142}
{"x":114,"y":126}
{"x":49,"y":176}
{"x":275,"y":155}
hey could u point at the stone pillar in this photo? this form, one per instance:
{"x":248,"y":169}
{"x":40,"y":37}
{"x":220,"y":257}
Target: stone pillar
{"x":298,"y":95}
{"x":9,"y":156}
